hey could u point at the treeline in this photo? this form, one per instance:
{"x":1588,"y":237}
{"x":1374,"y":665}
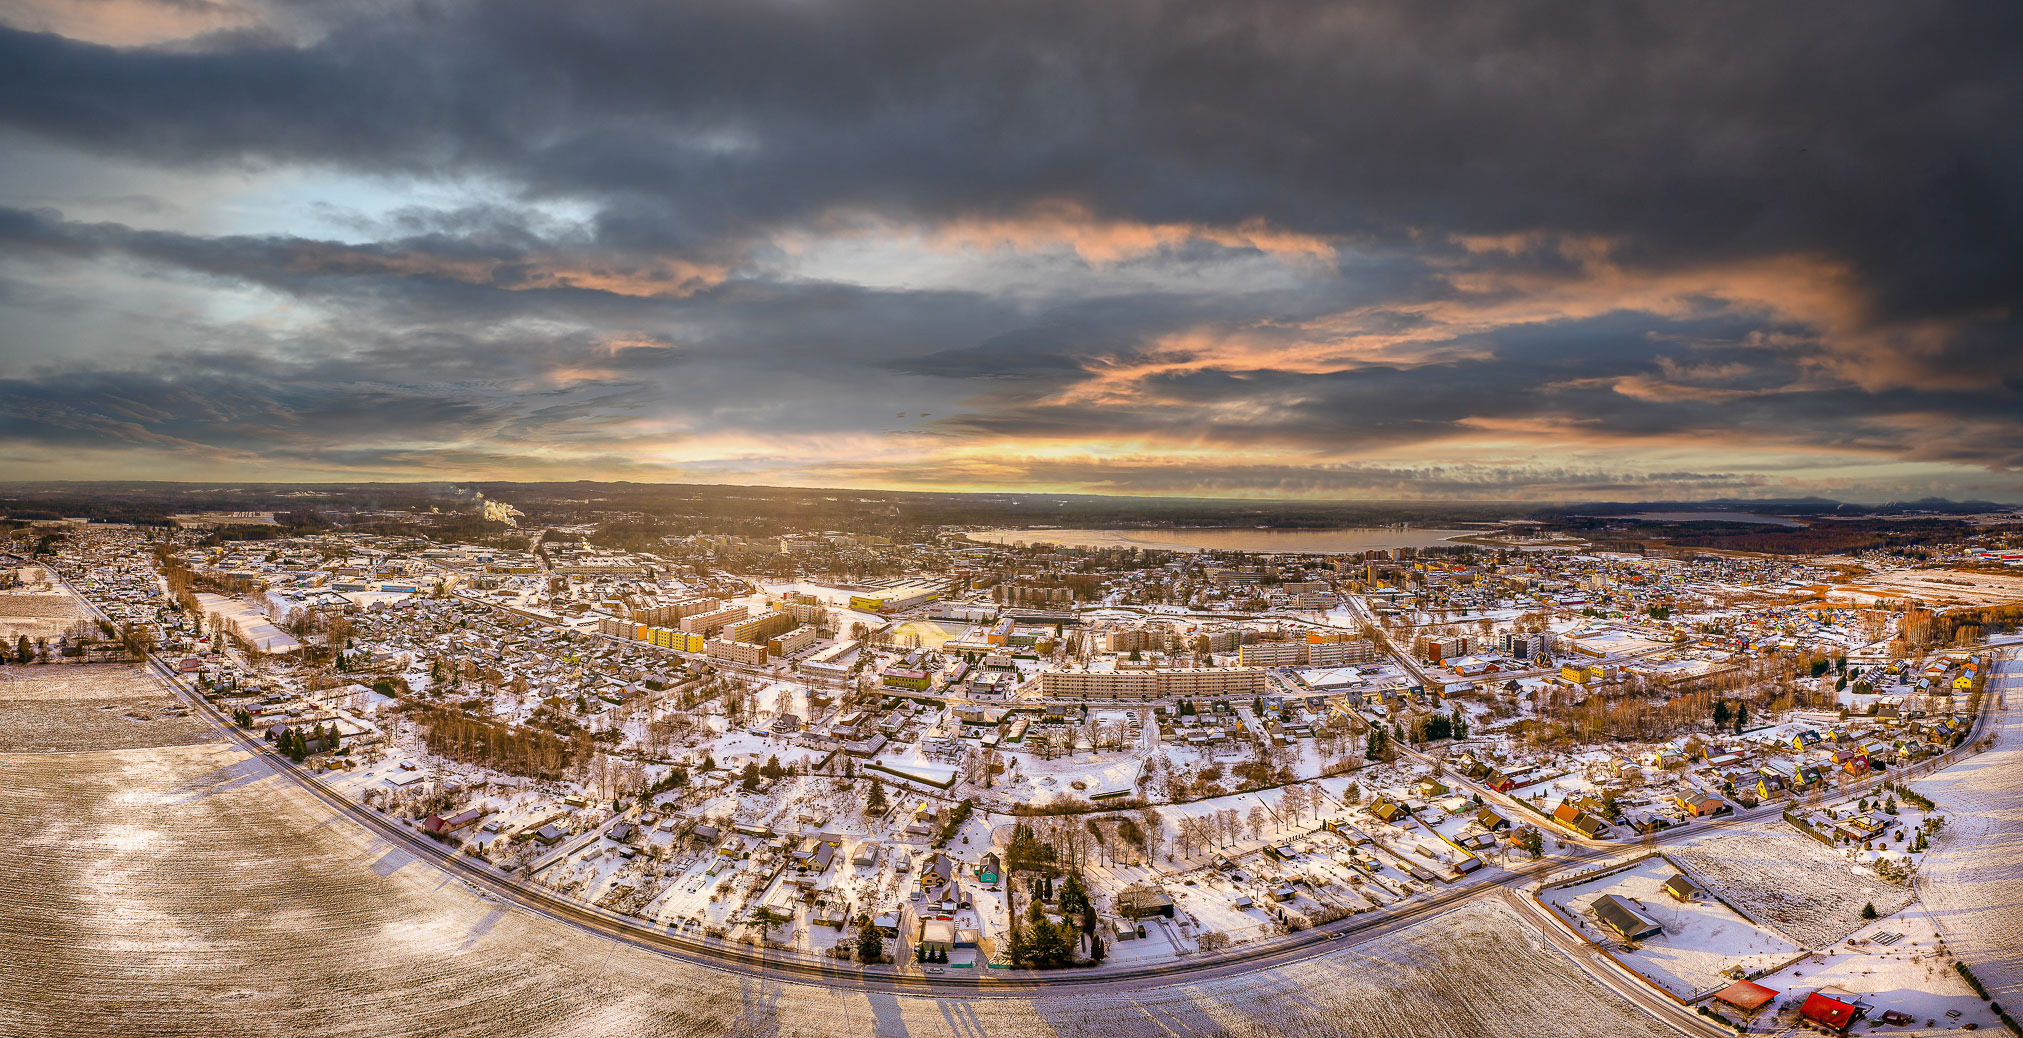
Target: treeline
{"x":1923,"y":629}
{"x":1823,"y":537}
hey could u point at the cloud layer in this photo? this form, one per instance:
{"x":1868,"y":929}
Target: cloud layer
{"x":1314,"y":250}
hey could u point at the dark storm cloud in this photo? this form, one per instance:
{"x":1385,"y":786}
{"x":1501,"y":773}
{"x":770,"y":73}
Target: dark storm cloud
{"x":1595,"y":382}
{"x":1868,"y":132}
{"x":1348,"y":480}
{"x":1827,"y":197}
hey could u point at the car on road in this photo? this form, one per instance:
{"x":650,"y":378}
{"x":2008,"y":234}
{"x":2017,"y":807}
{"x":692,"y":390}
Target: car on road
{"x":935,"y":969}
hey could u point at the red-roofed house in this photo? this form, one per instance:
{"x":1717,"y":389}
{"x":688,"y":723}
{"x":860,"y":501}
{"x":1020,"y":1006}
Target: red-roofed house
{"x":1829,"y":1012}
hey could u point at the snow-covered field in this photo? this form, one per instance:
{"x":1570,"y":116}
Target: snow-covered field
{"x":253,"y":625}
{"x":1941,"y":586}
{"x":1973,"y":875}
{"x":1785,"y":879}
{"x":38,"y":613}
{"x":215,"y":897}
{"x":69,"y":706}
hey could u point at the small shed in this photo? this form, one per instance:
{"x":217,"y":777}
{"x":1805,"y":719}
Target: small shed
{"x":1745,"y":995}
{"x":1682,"y":889}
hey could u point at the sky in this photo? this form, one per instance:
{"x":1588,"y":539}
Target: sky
{"x":1555,"y":252}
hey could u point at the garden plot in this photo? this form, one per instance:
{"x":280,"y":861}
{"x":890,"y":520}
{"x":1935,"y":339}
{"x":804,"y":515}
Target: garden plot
{"x":1784,"y":879}
{"x":1702,"y":938}
{"x":48,"y":707}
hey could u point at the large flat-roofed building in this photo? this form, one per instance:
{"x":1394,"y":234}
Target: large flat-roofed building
{"x":619,"y":628}
{"x":735,"y":652}
{"x":668,"y":638}
{"x":831,"y":661}
{"x":1336,"y":654}
{"x":1272,"y":654}
{"x":709,"y":623}
{"x":895,"y":599}
{"x":1152,"y":684}
{"x":791,"y":642}
{"x":675,"y":612}
{"x":760,"y":627}
{"x":806,"y":612}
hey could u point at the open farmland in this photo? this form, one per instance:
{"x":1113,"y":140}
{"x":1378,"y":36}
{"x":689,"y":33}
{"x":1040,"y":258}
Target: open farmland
{"x":1936,"y":586}
{"x":1508,"y":981}
{"x":218,"y":898}
{"x":1973,"y":879}
{"x":37,"y":613}
{"x":1784,"y":879}
{"x":91,"y":706}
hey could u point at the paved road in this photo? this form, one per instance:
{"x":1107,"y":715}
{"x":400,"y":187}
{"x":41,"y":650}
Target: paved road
{"x":1608,"y":972}
{"x":1972,"y":882}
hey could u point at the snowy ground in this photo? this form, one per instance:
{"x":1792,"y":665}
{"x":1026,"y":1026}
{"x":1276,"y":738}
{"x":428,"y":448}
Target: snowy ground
{"x":1702,"y":938}
{"x":38,"y":613}
{"x":215,"y":897}
{"x":1910,"y":975}
{"x":1972,"y":881}
{"x":1942,"y":586}
{"x":1789,"y":881}
{"x":66,"y":706}
{"x":254,"y":626}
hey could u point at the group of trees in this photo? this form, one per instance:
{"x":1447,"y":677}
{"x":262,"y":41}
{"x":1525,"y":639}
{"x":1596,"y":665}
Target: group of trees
{"x":1435,"y":727}
{"x":296,"y":744}
{"x":27,"y":652}
{"x":1226,"y":826}
{"x":137,"y":640}
{"x":870,"y":943}
{"x":1044,"y":943}
{"x":1210,"y":781}
{"x":1201,"y":832}
{"x":1068,"y":844}
{"x":1637,"y":709}
{"x":1922,"y":630}
{"x":513,"y":749}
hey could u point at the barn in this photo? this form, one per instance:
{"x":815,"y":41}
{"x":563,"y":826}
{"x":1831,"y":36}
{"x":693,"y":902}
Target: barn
{"x":1622,"y":917}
